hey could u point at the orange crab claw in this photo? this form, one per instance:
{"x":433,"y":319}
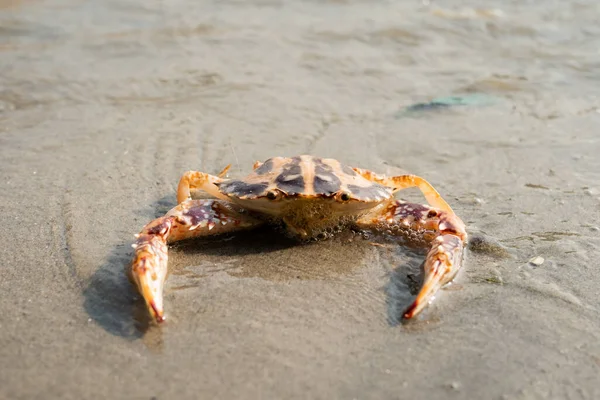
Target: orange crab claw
{"x":441,"y":265}
{"x":426,"y":295}
{"x":148,"y":272}
{"x":151,"y":291}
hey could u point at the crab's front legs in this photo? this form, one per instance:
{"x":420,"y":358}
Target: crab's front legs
{"x":444,"y":232}
{"x":192,"y":218}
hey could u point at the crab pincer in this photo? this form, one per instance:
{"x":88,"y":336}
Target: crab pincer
{"x":190,"y":219}
{"x":149,"y":267}
{"x":442,"y":263}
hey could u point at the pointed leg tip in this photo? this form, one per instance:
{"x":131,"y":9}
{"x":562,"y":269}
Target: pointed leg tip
{"x":411,"y":311}
{"x":157,"y":312}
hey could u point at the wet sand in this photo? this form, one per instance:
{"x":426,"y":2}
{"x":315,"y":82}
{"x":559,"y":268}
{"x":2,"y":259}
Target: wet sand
{"x":103,"y":106}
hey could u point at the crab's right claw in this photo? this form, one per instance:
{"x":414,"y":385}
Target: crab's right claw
{"x":149,"y":271}
{"x":441,"y":265}
{"x":443,"y":260}
{"x":443,"y":231}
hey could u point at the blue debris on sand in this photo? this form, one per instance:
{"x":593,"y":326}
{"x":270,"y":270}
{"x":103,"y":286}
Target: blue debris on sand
{"x":442,"y":103}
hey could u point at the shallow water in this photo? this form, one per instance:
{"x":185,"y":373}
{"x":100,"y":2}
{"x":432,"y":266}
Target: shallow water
{"x":104,"y":105}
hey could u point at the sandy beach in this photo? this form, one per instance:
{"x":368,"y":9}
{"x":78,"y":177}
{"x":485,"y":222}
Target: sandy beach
{"x":103,"y":105}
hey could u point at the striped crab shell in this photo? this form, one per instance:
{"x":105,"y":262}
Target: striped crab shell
{"x":305,"y":177}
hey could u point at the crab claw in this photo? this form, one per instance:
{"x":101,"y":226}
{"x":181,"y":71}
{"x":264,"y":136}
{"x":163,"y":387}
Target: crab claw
{"x":148,"y":272}
{"x":441,"y":265}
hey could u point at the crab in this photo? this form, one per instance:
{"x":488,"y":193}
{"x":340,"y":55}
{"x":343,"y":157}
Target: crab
{"x":309,"y":197}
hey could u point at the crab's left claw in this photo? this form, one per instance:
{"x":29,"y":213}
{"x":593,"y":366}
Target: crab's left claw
{"x":190,"y":219}
{"x":441,"y":265}
{"x":149,"y":271}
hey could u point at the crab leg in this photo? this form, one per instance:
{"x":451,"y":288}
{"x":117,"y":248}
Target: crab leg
{"x":407,"y":181}
{"x":190,"y":219}
{"x":443,"y":231}
{"x":202,"y":181}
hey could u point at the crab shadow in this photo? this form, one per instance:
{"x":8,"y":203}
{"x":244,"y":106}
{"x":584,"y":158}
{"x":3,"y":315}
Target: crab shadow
{"x":403,"y":284}
{"x":111,"y":301}
{"x":114,"y":304}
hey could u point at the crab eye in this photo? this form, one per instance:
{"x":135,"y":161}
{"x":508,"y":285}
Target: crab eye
{"x":271,"y":195}
{"x":345,"y":196}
